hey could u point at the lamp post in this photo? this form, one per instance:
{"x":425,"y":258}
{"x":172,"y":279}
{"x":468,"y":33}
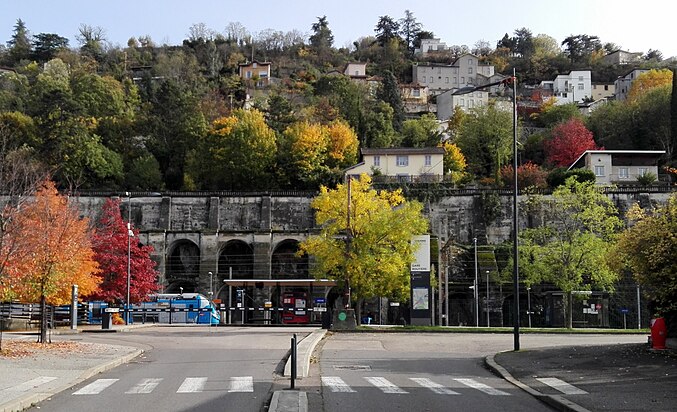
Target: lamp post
{"x":515,"y":269}
{"x":529,"y":304}
{"x":488,"y":324}
{"x":476,"y":294}
{"x":130,"y":234}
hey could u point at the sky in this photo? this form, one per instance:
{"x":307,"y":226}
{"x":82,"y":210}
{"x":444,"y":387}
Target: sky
{"x":633,"y":25}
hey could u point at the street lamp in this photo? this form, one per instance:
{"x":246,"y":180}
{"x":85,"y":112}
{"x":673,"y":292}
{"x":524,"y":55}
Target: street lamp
{"x":488,"y":299}
{"x":476,"y":294}
{"x":529,"y":304}
{"x":211,"y":285}
{"x":515,"y":268}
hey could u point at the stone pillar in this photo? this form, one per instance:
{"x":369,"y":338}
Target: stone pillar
{"x":165,"y":221}
{"x":209,"y":248}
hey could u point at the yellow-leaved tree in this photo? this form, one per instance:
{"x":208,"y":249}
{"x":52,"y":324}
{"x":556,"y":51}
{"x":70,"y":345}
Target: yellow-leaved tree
{"x":454,"y":162}
{"x":366,"y":247}
{"x":52,"y":252}
{"x":648,"y":80}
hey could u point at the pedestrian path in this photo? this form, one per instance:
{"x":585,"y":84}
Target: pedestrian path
{"x":237,"y":384}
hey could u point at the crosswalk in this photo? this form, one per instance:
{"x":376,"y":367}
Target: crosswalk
{"x":237,"y":384}
{"x":337,"y":384}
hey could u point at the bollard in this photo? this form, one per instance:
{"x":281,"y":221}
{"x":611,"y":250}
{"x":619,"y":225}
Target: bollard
{"x":293,"y":361}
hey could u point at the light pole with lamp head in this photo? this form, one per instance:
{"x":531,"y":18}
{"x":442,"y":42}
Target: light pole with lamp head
{"x":130,"y":234}
{"x":488,"y":299}
{"x":515,"y":269}
{"x":476,"y":294}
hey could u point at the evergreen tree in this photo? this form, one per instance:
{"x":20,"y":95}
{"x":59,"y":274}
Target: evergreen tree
{"x":409,"y":29}
{"x":386,"y":29}
{"x":322,"y":39}
{"x":20,"y":44}
{"x":389,"y":92}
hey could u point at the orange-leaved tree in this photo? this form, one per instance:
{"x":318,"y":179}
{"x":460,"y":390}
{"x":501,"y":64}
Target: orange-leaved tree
{"x":53,"y":251}
{"x":111,"y":245}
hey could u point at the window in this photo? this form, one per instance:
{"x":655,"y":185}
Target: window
{"x":446,"y":80}
{"x":469,"y":70}
{"x":643,"y":171}
{"x":416,"y":93}
{"x":623,"y":173}
{"x":455,"y":70}
{"x":377,"y":160}
{"x":580,"y":78}
{"x":249,"y":74}
{"x":599,"y":170}
{"x":580,"y":86}
{"x":462,"y":102}
{"x":428,"y":160}
{"x":455,"y":80}
{"x":606,"y":87}
{"x":471,"y":103}
{"x":423,"y":79}
{"x":357,"y":72}
{"x":402,"y":160}
{"x":254,"y":65}
{"x":463,"y":80}
{"x":469,"y":62}
{"x":431,"y":79}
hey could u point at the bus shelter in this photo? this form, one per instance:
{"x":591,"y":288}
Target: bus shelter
{"x":276,"y":301}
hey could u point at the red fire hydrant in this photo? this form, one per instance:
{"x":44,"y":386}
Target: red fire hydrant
{"x":658,"y":333}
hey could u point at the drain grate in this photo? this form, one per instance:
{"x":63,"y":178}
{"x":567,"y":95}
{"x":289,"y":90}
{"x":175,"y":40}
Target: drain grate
{"x":352,"y":367}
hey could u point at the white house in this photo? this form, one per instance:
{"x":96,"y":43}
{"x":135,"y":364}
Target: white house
{"x":430,"y":45}
{"x":403,"y":163}
{"x":623,"y":83}
{"x":573,"y":87}
{"x":618,"y":166}
{"x":621,"y":57}
{"x":356,"y":70}
{"x":447,"y":101}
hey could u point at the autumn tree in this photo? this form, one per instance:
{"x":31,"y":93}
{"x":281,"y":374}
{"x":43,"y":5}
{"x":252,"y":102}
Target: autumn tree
{"x":569,"y":140}
{"x":570,"y":248}
{"x":454,"y":162}
{"x":110,"y":243}
{"x":376,"y":259}
{"x":648,"y":248}
{"x":528,"y":175}
{"x":53,"y":251}
{"x":649,"y":80}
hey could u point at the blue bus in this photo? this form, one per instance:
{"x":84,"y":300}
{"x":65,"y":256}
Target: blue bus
{"x":177,"y":308}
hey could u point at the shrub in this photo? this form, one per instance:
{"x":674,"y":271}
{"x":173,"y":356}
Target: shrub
{"x":646,"y":179}
{"x":557,"y":177}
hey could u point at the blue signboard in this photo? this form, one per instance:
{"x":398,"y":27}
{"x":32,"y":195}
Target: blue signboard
{"x":320,"y":300}
{"x":624,"y":310}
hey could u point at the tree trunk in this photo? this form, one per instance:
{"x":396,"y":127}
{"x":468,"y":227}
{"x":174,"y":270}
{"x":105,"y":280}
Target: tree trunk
{"x":358,"y":311}
{"x":568,"y":309}
{"x":43,"y":320}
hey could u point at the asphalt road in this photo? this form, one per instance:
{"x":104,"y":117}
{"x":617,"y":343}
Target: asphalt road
{"x":423,"y":372}
{"x":185,"y":369}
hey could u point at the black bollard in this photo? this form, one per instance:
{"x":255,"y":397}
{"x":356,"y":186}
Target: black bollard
{"x":293,"y":361}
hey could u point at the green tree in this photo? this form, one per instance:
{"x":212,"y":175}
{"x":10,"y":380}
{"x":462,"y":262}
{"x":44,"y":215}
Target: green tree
{"x":570,"y":250}
{"x":379,"y":226}
{"x":389,"y":92}
{"x":386,"y":29}
{"x":421,"y":132}
{"x":378,"y":127}
{"x":648,"y":248}
{"x":47,"y":45}
{"x":322,"y":38}
{"x":485,"y":139}
{"x":20,"y":44}
{"x":409,"y":29}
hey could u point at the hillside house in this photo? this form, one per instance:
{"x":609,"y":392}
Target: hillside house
{"x":618,"y":166}
{"x":415,"y":98}
{"x":256,"y":72}
{"x":402,"y":163}
{"x":623,"y":83}
{"x":573,"y":87}
{"x":465,"y":71}
{"x":621,"y":57}
{"x":430,"y":46}
{"x":447,"y":101}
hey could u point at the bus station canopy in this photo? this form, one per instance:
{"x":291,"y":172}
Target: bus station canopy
{"x":280,"y":282}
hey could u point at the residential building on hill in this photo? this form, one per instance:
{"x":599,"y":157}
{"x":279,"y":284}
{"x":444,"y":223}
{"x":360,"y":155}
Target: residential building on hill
{"x":573,"y":87}
{"x":447,"y":101}
{"x":401,"y":163}
{"x":415,"y":99}
{"x":356,"y":70}
{"x":619,"y":166}
{"x":621,"y":57}
{"x":623,"y":83}
{"x":465,"y":71}
{"x":257,"y":72}
{"x":602,"y":90}
{"x":430,"y":46}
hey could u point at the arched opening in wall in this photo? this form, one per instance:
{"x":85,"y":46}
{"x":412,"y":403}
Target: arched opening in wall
{"x":183,"y":267}
{"x":238,"y":256}
{"x":285,"y":264}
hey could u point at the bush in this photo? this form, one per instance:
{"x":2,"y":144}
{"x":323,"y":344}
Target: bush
{"x":557,"y":177}
{"x":528,"y":175}
{"x":646,"y":179}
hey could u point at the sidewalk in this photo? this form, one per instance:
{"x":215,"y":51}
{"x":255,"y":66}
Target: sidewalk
{"x":623,"y":377}
{"x":25,"y":380}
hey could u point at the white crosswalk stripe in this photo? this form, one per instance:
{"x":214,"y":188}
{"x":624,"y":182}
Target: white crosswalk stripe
{"x":192,"y":385}
{"x":33,"y":383}
{"x":434,"y":386}
{"x":145,"y":385}
{"x":336,"y":384}
{"x":384,"y":385}
{"x":562,"y":386}
{"x":95,"y":387}
{"x":241,"y":384}
{"x":480,"y":387}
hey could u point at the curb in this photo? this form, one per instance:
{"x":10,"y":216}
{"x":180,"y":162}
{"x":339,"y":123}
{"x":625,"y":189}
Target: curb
{"x":555,"y":401}
{"x":305,"y":349}
{"x":27,"y":401}
{"x":289,"y":401}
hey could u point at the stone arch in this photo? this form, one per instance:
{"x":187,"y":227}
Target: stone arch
{"x":183,"y":267}
{"x":239,"y":256}
{"x":285,"y":264}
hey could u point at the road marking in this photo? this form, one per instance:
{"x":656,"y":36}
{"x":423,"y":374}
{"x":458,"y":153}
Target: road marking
{"x":481,"y":387}
{"x":562,"y":386}
{"x":95,"y":387}
{"x":33,"y":383}
{"x":145,"y":385}
{"x":241,"y":384}
{"x":191,"y":385}
{"x":434,"y":386}
{"x":336,"y":384}
{"x":384,"y":385}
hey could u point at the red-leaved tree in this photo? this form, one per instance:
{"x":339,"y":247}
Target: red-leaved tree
{"x":110,"y":247}
{"x":569,"y":140}
{"x":528,"y":175}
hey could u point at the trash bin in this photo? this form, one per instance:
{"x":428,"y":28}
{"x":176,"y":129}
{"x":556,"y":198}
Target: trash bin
{"x":326,"y":320}
{"x":658,"y":333}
